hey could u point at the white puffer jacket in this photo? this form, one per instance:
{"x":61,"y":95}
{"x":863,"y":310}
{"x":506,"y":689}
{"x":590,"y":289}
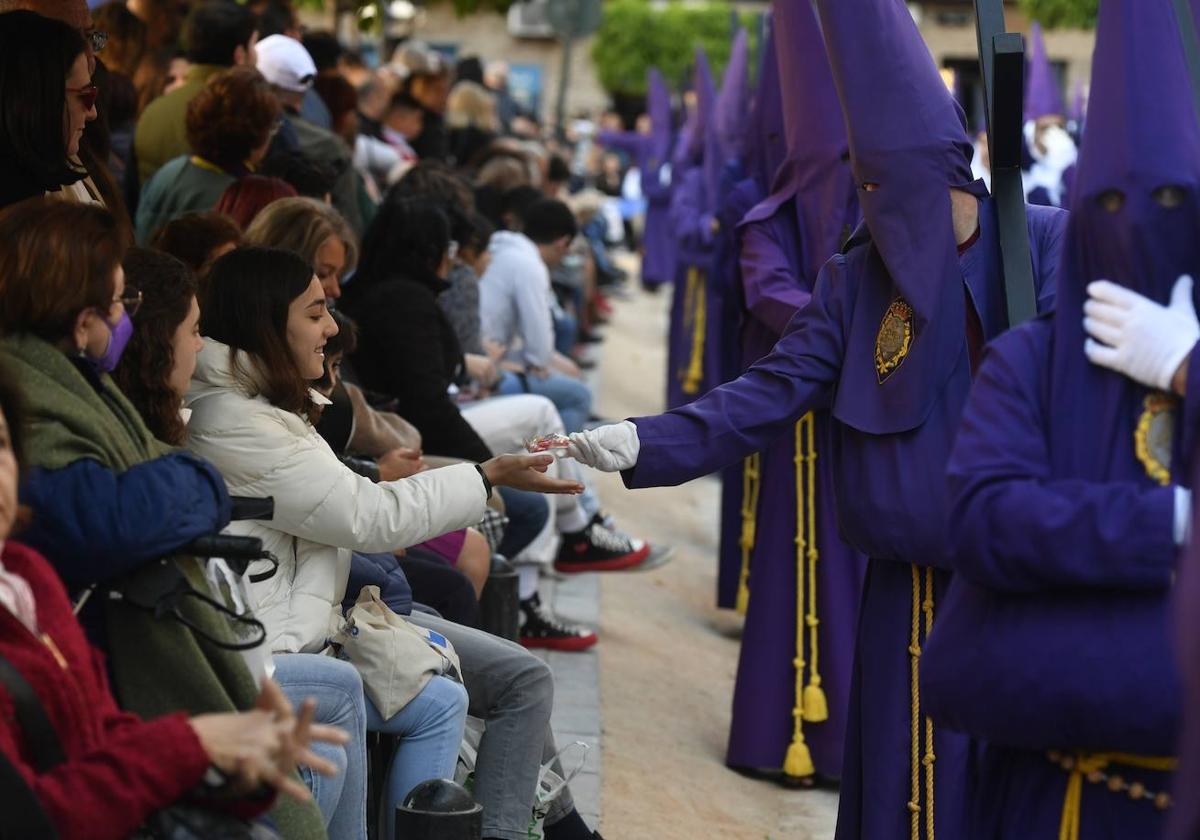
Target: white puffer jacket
{"x":323,"y":510}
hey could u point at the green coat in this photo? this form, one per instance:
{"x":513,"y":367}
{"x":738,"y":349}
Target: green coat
{"x":157,"y":666}
{"x":161,"y":132}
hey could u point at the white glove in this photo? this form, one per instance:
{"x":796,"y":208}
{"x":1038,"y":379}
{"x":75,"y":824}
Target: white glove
{"x":609,"y":448}
{"x":1137,"y":337}
{"x":1183,"y":515}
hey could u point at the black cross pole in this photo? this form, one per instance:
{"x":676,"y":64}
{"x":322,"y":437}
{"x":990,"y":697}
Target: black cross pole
{"x":1002,"y":66}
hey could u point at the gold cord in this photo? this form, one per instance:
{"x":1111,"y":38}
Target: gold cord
{"x":1092,"y":766}
{"x":751,"y":482}
{"x":699,"y":299}
{"x":798,"y":762}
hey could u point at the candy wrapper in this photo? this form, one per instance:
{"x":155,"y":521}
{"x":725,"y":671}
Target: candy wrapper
{"x":546,"y":443}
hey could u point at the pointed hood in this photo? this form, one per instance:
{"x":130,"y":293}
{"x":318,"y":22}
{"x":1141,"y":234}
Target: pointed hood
{"x":1042,"y":95}
{"x":658,"y":106}
{"x":817,"y":172}
{"x":908,"y":142}
{"x":1078,"y":111}
{"x":1135,"y":210}
{"x":734,"y":99}
{"x":766,"y":146}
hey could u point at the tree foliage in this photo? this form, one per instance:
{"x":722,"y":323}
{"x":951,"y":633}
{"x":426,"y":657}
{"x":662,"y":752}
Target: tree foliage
{"x":1054,"y":14}
{"x":636,"y":36}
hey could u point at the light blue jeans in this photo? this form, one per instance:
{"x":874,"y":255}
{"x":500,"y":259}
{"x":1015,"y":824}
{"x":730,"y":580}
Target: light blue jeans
{"x":571,"y":397}
{"x":338,"y":690}
{"x":430,"y":729}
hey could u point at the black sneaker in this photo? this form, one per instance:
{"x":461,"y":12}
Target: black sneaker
{"x":540,"y":628}
{"x":599,"y":548}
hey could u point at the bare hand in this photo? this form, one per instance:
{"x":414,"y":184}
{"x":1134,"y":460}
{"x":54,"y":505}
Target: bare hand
{"x":528,"y":472}
{"x":400,"y":463}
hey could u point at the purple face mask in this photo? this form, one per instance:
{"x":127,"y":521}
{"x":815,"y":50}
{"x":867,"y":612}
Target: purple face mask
{"x":118,"y":338}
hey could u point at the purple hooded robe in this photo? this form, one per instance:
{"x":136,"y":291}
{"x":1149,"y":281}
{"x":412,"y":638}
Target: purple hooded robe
{"x":1054,"y":647}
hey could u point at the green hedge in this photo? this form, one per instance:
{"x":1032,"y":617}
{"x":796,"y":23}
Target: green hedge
{"x":635,"y":37}
{"x":1062,"y":13}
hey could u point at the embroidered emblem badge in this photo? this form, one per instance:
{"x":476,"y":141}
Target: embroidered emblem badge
{"x":1153,"y":438}
{"x":894,"y":339}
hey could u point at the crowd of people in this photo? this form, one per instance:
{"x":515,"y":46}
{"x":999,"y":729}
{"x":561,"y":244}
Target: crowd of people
{"x":254,"y":290}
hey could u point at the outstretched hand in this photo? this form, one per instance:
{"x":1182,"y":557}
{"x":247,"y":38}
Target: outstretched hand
{"x":528,"y":472}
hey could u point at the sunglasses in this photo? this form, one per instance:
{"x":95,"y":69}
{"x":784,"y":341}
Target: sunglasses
{"x":87,"y":95}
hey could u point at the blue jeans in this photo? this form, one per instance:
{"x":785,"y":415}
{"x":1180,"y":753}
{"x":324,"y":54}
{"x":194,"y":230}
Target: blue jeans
{"x":430,"y":729}
{"x":338,"y":690}
{"x":572,"y":398}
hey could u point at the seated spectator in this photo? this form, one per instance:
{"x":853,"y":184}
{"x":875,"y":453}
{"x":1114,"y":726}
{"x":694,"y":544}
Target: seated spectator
{"x":246,"y":197}
{"x":516,"y":305}
{"x":198,"y":239}
{"x":155,"y":372}
{"x":403,"y":122}
{"x":219,"y":35}
{"x":116,"y":769}
{"x":110,"y":501}
{"x":290,"y":70}
{"x":230,"y":123}
{"x":316,"y":232}
{"x":47,"y":97}
{"x":472,"y":122}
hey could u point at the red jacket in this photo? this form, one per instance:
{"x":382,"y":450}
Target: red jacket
{"x":118,"y":769}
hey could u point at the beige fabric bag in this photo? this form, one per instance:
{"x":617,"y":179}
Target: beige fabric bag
{"x":395,"y":658}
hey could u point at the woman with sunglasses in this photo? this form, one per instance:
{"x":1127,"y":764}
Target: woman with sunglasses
{"x":109,"y":501}
{"x":46,"y":99}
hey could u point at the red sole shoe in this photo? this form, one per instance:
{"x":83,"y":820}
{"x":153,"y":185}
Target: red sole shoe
{"x":573,"y":644}
{"x":616,"y":564}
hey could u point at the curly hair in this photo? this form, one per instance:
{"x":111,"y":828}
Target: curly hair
{"x":168,"y":288}
{"x":231,"y":116}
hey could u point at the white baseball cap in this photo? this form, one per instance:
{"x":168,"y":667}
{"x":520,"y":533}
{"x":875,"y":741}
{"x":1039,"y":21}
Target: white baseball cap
{"x":285,"y":63}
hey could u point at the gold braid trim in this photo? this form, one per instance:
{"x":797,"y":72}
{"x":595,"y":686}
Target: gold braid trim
{"x":751,"y":482}
{"x":914,"y":652}
{"x":695,"y":369}
{"x":922,"y":606}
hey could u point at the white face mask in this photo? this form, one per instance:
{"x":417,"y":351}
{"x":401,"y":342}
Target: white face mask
{"x":1060,"y":149}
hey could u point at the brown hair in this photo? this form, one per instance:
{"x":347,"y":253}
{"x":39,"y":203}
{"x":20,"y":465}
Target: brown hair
{"x":301,"y":225}
{"x":194,"y":236}
{"x":168,"y":288}
{"x":57,"y":259}
{"x":244,"y":304}
{"x":231,"y":116}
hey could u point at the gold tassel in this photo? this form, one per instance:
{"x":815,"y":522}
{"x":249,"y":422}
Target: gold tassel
{"x":695,"y":369}
{"x":751,"y":475}
{"x":816,"y":707}
{"x":798,"y":762}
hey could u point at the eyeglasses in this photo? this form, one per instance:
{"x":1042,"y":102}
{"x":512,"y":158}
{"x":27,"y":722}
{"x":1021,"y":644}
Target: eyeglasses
{"x":87,"y":95}
{"x":131,"y":300}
